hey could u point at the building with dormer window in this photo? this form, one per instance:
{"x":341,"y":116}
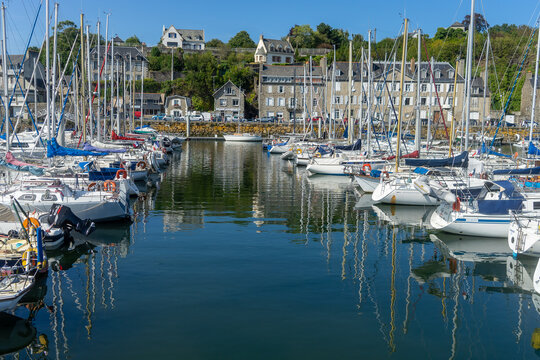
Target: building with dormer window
{"x":229,"y":101}
{"x":182,"y":38}
{"x":271,"y":51}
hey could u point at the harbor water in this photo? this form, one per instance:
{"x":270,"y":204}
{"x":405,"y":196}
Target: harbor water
{"x":236,"y":254}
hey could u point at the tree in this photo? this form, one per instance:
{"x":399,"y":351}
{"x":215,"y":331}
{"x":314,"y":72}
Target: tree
{"x":133,"y":41}
{"x":302,"y":36}
{"x":242,"y":40}
{"x":480,"y":23}
{"x":215,"y":43}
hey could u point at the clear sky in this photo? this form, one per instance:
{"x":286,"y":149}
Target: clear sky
{"x":273,"y":19}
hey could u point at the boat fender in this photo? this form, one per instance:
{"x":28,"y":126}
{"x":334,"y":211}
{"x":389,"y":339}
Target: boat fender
{"x":141,"y":164}
{"x":109,"y":185}
{"x":28,"y":259}
{"x":366,"y":166}
{"x":518,"y":137}
{"x":92,"y":186}
{"x":121,"y":173}
{"x":457,"y":205}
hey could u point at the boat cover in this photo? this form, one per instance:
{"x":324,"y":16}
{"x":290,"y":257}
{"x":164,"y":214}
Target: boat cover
{"x":115,"y":136}
{"x":89,"y":147}
{"x":12,"y":163}
{"x":533,"y":150}
{"x":414,"y":155}
{"x":53,"y":149}
{"x":462,"y":160}
{"x":524,"y":171}
{"x":356,"y":146}
{"x":512,"y":202}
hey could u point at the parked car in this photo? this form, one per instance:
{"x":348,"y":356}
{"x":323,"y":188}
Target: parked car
{"x":268,"y":119}
{"x":167,"y":118}
{"x":196,"y":117}
{"x":178,"y":118}
{"x":159,"y":116}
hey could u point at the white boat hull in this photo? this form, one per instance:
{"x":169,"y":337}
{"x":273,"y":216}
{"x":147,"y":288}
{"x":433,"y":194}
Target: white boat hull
{"x":243,"y":138}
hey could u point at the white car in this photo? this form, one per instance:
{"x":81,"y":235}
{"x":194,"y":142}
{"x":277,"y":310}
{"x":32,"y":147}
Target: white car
{"x":195,"y":118}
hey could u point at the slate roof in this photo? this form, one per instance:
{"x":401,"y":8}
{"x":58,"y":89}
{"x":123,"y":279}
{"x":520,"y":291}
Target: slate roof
{"x":278,"y":46}
{"x":229,"y":82}
{"x":121,"y":52}
{"x":191,"y":35}
{"x":28,"y":67}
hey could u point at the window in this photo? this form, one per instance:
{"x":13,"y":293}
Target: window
{"x":269,"y":89}
{"x":281,"y":89}
{"x":423,"y":87}
{"x":423,"y":101}
{"x":407,"y":87}
{"x":437,"y":74}
{"x":48,"y":197}
{"x":176,"y":102}
{"x":450,"y":87}
{"x":222,"y":102}
{"x":395,"y":87}
{"x":337,"y":114}
{"x":407,"y":101}
{"x":281,"y":101}
{"x":451,"y":74}
{"x":292,"y":102}
{"x":235,"y":102}
{"x":337,"y":99}
{"x":474,"y":102}
{"x":172,"y":35}
{"x":314,"y":102}
{"x":229,"y":91}
{"x":338,"y":87}
{"x":438,"y":87}
{"x":288,"y":60}
{"x":27,"y":197}
{"x":276,"y":59}
{"x":270,"y":113}
{"x":451,"y":101}
{"x":270,"y":102}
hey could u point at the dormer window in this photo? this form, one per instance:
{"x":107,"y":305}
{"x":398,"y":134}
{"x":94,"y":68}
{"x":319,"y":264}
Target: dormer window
{"x":451,"y":73}
{"x":424,"y":73}
{"x":272,"y":48}
{"x":437,"y":74}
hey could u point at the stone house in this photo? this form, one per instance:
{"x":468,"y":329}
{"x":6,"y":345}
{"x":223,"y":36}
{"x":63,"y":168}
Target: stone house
{"x":271,"y":51}
{"x":385,"y":97}
{"x":182,"y":38}
{"x":26,"y":82}
{"x":122,"y":55}
{"x":291,"y":92}
{"x":526,"y":98}
{"x":176,"y":105}
{"x":458,"y":25}
{"x":153,"y":103}
{"x":229,"y":101}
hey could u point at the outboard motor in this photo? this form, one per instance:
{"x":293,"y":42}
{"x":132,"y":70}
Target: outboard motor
{"x":62,"y":216}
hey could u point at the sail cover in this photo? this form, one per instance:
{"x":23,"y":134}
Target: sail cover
{"x":89,"y":147}
{"x":533,"y":150}
{"x":115,"y":136}
{"x":12,"y":163}
{"x":356,"y":146}
{"x":524,"y":171}
{"x":462,"y":160}
{"x":53,"y":149}
{"x":414,"y":155}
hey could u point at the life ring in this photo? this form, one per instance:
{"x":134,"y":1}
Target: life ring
{"x":109,"y":185}
{"x":385,"y":174}
{"x":518,"y":137}
{"x":298,"y":151}
{"x":122,"y":173}
{"x":92,"y":186}
{"x":30,"y":221}
{"x":366,"y":166}
{"x":456,"y":206}
{"x":141,"y":164}
{"x":318,"y":155}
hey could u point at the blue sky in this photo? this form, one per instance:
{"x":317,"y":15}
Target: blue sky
{"x":223,"y":19}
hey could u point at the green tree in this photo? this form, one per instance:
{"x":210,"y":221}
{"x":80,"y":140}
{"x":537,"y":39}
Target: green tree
{"x":215,"y":43}
{"x":133,"y":41}
{"x":242,"y":40}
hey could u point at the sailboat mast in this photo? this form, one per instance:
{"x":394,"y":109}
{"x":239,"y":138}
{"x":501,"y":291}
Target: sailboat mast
{"x":5,"y":71}
{"x":331,"y":124}
{"x":105,"y":75}
{"x":370,"y":84}
{"x":83,"y":103}
{"x":360,"y":98}
{"x":418,"y":129}
{"x":98,"y":121}
{"x":469,"y":70}
{"x":53,"y":99}
{"x":112,"y":83}
{"x":453,"y":121}
{"x":485,"y":89}
{"x":349,"y":102}
{"x":401,"y":81}
{"x":142,"y":100}
{"x":430,"y":112}
{"x":533,"y":110}
{"x":88,"y":72}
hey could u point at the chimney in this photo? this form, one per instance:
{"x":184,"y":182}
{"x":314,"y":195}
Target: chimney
{"x":413,"y":67}
{"x":163,"y":31}
{"x":261,"y":37}
{"x":323,"y":63}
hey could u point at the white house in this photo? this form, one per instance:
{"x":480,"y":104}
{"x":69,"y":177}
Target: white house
{"x":271,"y":51}
{"x":182,"y":38}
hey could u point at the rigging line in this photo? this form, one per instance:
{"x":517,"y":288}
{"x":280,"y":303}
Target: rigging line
{"x":513,"y":88}
{"x":446,"y":37}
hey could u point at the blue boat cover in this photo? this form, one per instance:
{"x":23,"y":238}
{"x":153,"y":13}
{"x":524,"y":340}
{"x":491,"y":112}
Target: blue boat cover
{"x":28,"y":168}
{"x":324,"y":150}
{"x":89,"y":147}
{"x":103,"y":174}
{"x":462,"y":160}
{"x":533,"y":150}
{"x":53,"y":149}
{"x":356,"y":146}
{"x":524,"y":171}
{"x":421,"y":171}
{"x":514,"y":202}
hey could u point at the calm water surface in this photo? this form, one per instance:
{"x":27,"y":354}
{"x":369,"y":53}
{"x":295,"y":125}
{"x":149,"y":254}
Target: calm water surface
{"x":237,"y":254}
